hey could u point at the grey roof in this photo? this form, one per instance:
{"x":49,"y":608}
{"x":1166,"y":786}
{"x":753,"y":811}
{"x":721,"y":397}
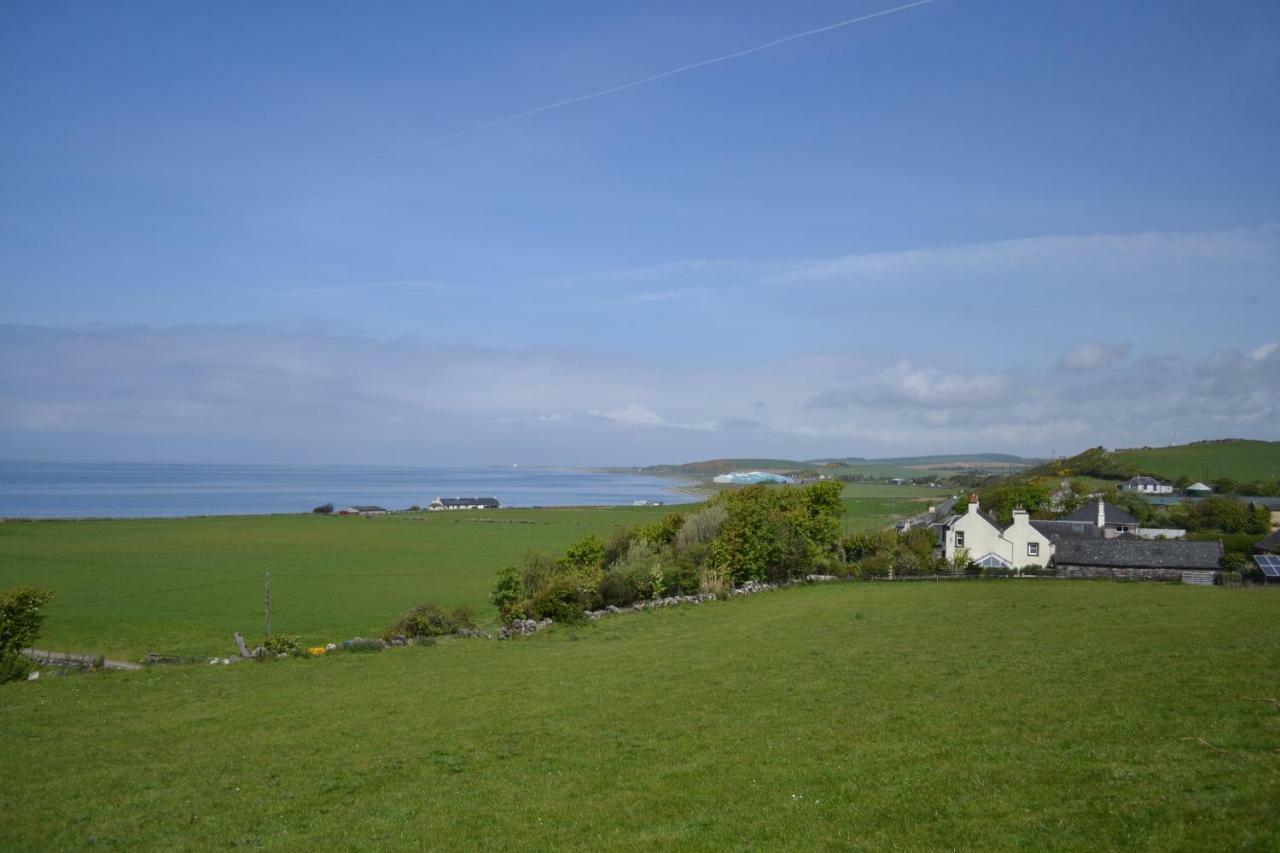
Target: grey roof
{"x":1063,"y":529}
{"x":1271,"y":503}
{"x":487,"y":502}
{"x":1144,"y":481}
{"x":1269,"y":543}
{"x":1089,"y":512}
{"x":1199,"y":487}
{"x":368,"y":508}
{"x":1131,"y":552}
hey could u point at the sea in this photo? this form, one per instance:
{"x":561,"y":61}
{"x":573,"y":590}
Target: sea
{"x":119,"y":490}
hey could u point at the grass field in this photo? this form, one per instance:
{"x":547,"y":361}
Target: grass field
{"x":973,"y":715}
{"x":1239,"y":460}
{"x":127,"y":587}
{"x":184,"y":586}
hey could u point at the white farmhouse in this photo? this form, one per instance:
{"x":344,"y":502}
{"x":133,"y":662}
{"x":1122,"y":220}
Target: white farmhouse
{"x":989,"y":545}
{"x":1146,"y":486}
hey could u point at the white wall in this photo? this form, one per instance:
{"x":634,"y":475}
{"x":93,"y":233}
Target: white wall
{"x":982,"y":538}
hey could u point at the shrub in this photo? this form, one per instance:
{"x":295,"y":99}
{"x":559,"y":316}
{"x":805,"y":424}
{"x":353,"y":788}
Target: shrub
{"x":905,"y":562}
{"x":282,"y":644}
{"x":560,"y":599}
{"x":508,"y":594}
{"x":875,"y":566}
{"x":431,"y":620}
{"x":323,"y":509}
{"x":20,"y":621}
{"x":996,"y":572}
{"x":630,"y":578}
{"x":700,"y":529}
{"x":715,"y":581}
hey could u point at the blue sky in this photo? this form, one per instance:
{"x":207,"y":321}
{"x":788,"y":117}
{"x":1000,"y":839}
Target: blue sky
{"x":252,"y":232}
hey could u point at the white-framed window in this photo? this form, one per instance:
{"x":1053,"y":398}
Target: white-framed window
{"x":959,"y":538}
{"x":1033,"y":549}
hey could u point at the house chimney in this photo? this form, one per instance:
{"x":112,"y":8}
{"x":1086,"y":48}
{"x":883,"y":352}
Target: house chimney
{"x":973,"y":504}
{"x":1102,"y":513}
{"x":1020,"y":517}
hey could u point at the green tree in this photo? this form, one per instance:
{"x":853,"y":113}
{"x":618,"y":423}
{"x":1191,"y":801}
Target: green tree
{"x":21,"y":615}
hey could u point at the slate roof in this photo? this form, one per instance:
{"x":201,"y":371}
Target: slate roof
{"x":369,"y":508}
{"x":491,"y":503}
{"x":1270,"y":543}
{"x":1089,"y":512}
{"x":1131,"y":552}
{"x":1143,"y":481}
{"x":1064,"y":529}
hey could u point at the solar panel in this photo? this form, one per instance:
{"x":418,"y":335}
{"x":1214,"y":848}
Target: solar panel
{"x":1269,"y":563}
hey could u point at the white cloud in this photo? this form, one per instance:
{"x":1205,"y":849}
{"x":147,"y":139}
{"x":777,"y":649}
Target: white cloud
{"x":241,"y":393}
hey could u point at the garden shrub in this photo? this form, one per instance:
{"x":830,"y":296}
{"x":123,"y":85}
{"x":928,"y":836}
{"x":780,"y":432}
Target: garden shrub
{"x":361,"y":645}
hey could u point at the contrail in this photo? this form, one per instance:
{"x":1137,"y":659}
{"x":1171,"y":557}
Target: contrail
{"x":613,"y":90}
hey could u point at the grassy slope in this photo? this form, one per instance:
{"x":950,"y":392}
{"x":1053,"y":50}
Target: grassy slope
{"x":1040,"y":714}
{"x":1239,"y":460}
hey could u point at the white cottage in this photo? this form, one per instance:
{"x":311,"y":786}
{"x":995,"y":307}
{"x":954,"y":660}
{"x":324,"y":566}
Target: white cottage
{"x":990,"y":546}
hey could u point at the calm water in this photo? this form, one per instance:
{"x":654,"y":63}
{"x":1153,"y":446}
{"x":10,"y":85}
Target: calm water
{"x":44,"y":490}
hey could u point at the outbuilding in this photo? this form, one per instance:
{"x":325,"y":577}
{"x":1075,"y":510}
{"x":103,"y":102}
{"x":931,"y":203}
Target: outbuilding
{"x":464,"y":503}
{"x":1139,"y":559}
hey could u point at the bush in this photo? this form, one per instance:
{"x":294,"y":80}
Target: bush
{"x":323,"y":509}
{"x":282,"y":644}
{"x":700,"y":529}
{"x":630,"y":578}
{"x":20,"y":619}
{"x":996,"y":572}
{"x":431,"y":620}
{"x":508,"y":594}
{"x":561,"y":600}
{"x":875,"y":566}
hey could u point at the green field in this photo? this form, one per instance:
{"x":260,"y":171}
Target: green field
{"x":968,"y":715}
{"x":184,"y":586}
{"x":1240,"y":460}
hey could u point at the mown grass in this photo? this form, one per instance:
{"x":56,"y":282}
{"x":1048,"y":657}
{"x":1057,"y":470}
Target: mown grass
{"x":974,"y":715}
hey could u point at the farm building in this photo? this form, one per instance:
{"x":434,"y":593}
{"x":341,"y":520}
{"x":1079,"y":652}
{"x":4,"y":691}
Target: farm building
{"x":1112,"y":520}
{"x":1199,"y":490}
{"x":464,"y":503}
{"x":362,"y":510}
{"x":1146,"y":486}
{"x":1139,"y":559}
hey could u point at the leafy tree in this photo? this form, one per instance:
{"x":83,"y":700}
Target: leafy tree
{"x":323,"y":509}
{"x":20,"y":619}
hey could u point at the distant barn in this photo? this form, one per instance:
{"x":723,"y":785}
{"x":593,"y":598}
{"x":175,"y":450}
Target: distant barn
{"x":464,"y":503}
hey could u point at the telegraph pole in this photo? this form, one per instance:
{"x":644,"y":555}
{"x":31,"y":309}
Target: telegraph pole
{"x":268,"y":604}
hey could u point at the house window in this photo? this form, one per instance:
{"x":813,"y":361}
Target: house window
{"x":959,"y":538}
{"x":1033,"y":549}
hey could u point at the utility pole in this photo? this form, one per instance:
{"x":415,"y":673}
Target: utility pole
{"x":268,"y":603}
